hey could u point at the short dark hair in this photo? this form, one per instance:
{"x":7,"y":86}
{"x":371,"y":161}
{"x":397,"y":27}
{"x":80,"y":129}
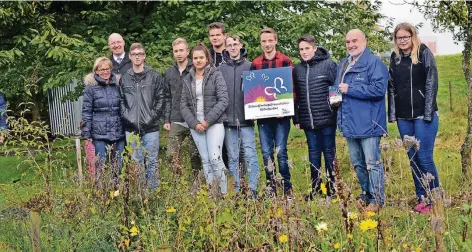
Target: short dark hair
{"x":136,"y":46}
{"x":270,"y":31}
{"x":307,"y":38}
{"x":201,"y":47}
{"x":217,"y":25}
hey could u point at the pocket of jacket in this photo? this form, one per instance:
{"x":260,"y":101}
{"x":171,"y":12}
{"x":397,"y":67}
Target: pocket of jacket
{"x":99,"y":126}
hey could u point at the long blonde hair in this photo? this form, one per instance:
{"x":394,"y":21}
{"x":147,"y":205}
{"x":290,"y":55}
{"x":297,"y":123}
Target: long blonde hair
{"x":415,"y":51}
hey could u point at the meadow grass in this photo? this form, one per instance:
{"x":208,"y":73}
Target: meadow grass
{"x":184,"y":216}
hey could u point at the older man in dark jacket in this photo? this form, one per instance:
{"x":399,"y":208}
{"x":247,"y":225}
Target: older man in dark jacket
{"x":237,"y":128}
{"x":119,"y":58}
{"x":142,"y":101}
{"x":313,"y":112}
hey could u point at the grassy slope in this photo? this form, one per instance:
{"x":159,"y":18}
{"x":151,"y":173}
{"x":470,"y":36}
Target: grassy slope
{"x":399,"y":184}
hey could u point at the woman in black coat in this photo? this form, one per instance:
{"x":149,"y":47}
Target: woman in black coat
{"x":412,"y":91}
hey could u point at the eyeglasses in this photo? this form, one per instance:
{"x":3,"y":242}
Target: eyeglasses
{"x":103,"y":70}
{"x":229,"y":46}
{"x":404,"y":38}
{"x":137,"y":54}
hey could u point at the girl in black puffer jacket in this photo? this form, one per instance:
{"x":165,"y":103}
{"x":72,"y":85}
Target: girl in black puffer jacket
{"x":101,"y":113}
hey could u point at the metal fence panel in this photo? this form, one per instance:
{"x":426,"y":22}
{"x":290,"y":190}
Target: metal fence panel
{"x":64,"y":116}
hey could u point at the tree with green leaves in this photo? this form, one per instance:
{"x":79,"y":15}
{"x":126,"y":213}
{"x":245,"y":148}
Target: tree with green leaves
{"x":456,"y":17}
{"x":47,"y":44}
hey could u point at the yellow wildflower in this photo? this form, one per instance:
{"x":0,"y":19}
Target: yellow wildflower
{"x":337,"y":245}
{"x":134,"y":231}
{"x":145,"y":201}
{"x":323,"y":188}
{"x":283,"y":238}
{"x":368,"y":224}
{"x":171,"y":210}
{"x":418,"y":250}
{"x":405,"y":245}
{"x":350,"y":236}
{"x":280,"y":212}
{"x":112,"y":194}
{"x":370,"y":214}
{"x":321,"y":227}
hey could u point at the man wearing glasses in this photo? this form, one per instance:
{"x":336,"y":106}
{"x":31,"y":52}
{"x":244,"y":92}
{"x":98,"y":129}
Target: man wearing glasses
{"x":239,"y":133}
{"x":142,"y":106}
{"x":119,"y":58}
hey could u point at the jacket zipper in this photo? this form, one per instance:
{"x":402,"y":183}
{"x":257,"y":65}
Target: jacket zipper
{"x":234,"y":93}
{"x":308,"y":95}
{"x":411,"y":88}
{"x":139,"y":105}
{"x":191,"y":96}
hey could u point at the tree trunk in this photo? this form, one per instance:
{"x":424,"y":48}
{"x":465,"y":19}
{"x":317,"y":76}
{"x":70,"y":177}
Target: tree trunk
{"x":36,"y":109}
{"x":466,"y":54}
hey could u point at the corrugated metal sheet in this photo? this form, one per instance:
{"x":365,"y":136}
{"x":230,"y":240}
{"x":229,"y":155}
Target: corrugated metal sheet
{"x":64,"y":116}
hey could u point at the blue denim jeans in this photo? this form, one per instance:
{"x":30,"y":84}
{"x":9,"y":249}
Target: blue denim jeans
{"x":365,"y":157}
{"x":422,"y":161}
{"x":234,"y":138}
{"x":210,"y":144}
{"x":101,"y":153}
{"x":321,"y":141}
{"x":273,"y":135}
{"x":146,"y":153}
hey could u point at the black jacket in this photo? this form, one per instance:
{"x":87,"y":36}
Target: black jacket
{"x":174,"y":84}
{"x":142,"y":100}
{"x":218,"y":58}
{"x":215,"y":97}
{"x":312,"y":80}
{"x":232,"y":71}
{"x":412,"y":88}
{"x":123,"y":67}
{"x":101,"y":109}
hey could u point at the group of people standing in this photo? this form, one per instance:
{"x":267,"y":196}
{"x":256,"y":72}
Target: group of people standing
{"x":201,"y":98}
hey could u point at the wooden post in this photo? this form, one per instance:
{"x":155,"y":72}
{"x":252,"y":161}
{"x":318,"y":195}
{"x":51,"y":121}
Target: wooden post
{"x":437,"y":218}
{"x":35,"y":232}
{"x":450,"y":96}
{"x":78,"y":151}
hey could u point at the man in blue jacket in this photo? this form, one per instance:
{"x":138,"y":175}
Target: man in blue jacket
{"x":362,"y":79}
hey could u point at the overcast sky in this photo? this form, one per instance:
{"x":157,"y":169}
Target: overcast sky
{"x":405,"y":13}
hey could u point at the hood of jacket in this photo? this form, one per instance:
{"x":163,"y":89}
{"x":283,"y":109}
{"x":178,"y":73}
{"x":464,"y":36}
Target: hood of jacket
{"x":320,"y":54}
{"x":92,"y":79}
{"x":242,"y":56}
